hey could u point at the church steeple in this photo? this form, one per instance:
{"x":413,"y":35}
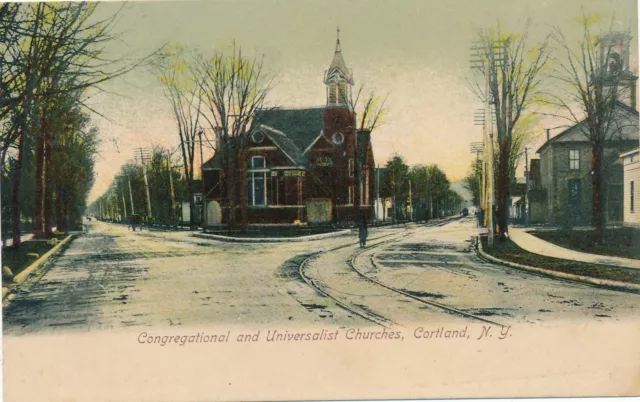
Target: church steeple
{"x":338,"y":78}
{"x":614,"y":59}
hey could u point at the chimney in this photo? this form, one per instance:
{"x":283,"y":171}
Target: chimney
{"x":547,"y":134}
{"x":218,"y":131}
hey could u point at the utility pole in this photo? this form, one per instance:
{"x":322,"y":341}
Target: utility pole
{"x":410,"y":202}
{"x":204,"y":188}
{"x":133,"y":212}
{"x":526,"y":186}
{"x":173,"y":194}
{"x":144,"y":154}
{"x":378,"y":200}
{"x":124,"y":202}
{"x":477,"y":148}
{"x":483,"y":60}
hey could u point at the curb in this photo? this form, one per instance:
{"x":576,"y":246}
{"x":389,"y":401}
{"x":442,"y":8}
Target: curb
{"x":22,"y":276}
{"x":271,"y":239}
{"x":547,"y":272}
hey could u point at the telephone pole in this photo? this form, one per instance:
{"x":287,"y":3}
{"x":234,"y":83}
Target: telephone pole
{"x":203,"y":215}
{"x":143,"y":154}
{"x":410,"y":202}
{"x":124,"y":203}
{"x":173,"y":194}
{"x":133,"y":212}
{"x":483,"y":59}
{"x":526,"y":186}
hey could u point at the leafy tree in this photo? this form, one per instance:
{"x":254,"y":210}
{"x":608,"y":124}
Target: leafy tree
{"x":473,"y":181}
{"x":397,"y":184}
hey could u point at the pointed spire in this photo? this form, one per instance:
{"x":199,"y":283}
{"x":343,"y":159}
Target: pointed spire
{"x":338,"y":64}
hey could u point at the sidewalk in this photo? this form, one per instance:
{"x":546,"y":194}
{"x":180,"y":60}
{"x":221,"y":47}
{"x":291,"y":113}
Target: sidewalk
{"x":535,"y":245}
{"x":9,"y":241}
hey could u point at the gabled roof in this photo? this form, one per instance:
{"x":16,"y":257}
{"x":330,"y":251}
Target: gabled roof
{"x":281,"y":140}
{"x":301,"y":126}
{"x":216,"y":161}
{"x":576,"y":132}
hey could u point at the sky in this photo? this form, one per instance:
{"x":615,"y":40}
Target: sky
{"x":416,"y":52}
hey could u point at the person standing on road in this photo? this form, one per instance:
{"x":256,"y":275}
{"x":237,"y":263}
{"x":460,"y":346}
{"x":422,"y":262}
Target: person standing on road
{"x":362,"y":231}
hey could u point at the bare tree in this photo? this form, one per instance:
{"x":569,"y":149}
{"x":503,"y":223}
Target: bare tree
{"x":183,"y":91}
{"x":512,"y":69}
{"x":373,"y":109}
{"x":55,"y":50}
{"x":371,"y":117}
{"x":589,"y":80}
{"x":234,"y":87}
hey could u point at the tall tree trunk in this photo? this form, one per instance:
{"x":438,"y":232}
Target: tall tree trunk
{"x":503,"y":188}
{"x":60,"y":223}
{"x":230,"y":173}
{"x":15,"y":201}
{"x":48,"y":182}
{"x":37,"y":218}
{"x":65,"y":212}
{"x":597,"y":215}
{"x":244,"y":199}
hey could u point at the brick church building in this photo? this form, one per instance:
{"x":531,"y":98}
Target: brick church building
{"x":304,"y":164}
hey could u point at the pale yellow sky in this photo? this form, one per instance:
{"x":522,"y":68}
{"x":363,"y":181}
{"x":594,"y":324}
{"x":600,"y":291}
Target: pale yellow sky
{"x":417,"y":51}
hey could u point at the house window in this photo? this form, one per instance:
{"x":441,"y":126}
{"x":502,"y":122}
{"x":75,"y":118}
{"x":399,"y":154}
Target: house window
{"x":257,"y":188}
{"x":574,"y":159}
{"x":258,"y":162}
{"x":351,"y":168}
{"x":351,"y":195}
{"x":257,"y":181}
{"x":632,"y":197}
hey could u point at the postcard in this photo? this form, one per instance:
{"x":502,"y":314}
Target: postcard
{"x":319,"y":200}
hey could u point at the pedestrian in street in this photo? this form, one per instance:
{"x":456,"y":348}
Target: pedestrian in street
{"x":362,"y":231}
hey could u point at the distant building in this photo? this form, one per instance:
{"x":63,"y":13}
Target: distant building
{"x":303,"y":165}
{"x":631,"y":166}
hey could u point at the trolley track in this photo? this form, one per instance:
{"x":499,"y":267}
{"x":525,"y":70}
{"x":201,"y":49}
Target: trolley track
{"x":362,"y":311}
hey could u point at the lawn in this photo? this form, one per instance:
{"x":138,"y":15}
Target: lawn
{"x":509,"y":251}
{"x":619,"y":242}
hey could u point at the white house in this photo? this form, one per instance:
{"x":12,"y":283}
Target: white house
{"x":631,"y":165}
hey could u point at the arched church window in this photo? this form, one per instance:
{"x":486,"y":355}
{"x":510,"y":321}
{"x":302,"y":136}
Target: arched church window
{"x":324,"y":161}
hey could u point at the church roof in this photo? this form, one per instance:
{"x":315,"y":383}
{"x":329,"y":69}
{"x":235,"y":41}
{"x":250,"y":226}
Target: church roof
{"x":627,"y":128}
{"x":301,"y":126}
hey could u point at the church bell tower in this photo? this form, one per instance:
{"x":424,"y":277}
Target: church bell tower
{"x":338,"y":79}
{"x":340,"y":127}
{"x":614,"y":59}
